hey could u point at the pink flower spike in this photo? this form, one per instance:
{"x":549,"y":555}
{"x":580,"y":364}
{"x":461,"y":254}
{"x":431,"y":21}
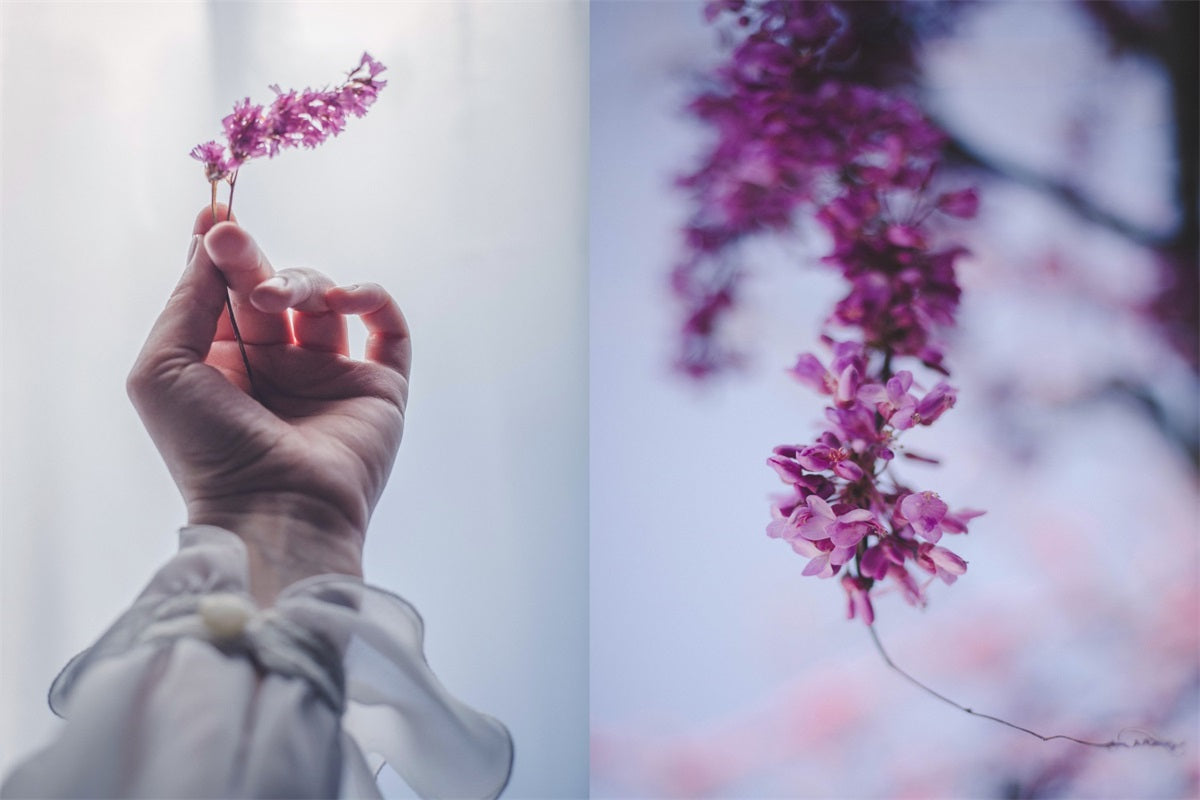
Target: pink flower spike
{"x":293,"y":119}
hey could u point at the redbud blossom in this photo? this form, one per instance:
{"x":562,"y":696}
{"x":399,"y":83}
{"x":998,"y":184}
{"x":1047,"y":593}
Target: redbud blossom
{"x":795,"y":135}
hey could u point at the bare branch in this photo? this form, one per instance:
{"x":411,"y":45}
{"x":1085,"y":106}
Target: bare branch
{"x":1147,"y":741}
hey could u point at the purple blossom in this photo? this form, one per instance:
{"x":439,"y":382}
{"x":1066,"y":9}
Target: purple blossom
{"x":963,"y":204}
{"x":924,"y":511}
{"x":821,"y":457}
{"x":827,"y":558}
{"x":940,"y":562}
{"x":246,"y":132}
{"x":294,"y":119}
{"x":893,"y":400}
{"x":216,"y":166}
{"x":795,"y":134}
{"x":956,"y":522}
{"x":939,"y":400}
{"x":912,"y":592}
{"x":859,"y":599}
{"x":841,"y":379}
{"x":845,"y":529}
{"x":878,"y":559}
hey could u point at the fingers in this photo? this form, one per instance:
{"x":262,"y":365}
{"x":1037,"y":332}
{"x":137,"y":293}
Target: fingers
{"x":314,"y":325}
{"x":389,"y":342}
{"x":262,"y":299}
{"x":244,"y":267}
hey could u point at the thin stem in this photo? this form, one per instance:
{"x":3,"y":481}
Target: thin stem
{"x":1148,"y":741}
{"x":237,"y":334}
{"x":232,"y":186}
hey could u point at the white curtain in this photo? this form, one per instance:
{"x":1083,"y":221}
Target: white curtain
{"x":462,"y":192}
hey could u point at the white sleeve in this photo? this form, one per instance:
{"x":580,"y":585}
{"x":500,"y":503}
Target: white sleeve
{"x":195,"y":692}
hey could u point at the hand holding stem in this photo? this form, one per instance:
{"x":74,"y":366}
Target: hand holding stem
{"x":296,"y":472}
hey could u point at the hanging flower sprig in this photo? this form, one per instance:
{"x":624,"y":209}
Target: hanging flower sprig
{"x":796,"y":137}
{"x":294,"y":119}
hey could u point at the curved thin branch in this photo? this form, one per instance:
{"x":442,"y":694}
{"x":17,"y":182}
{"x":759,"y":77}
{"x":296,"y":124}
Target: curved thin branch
{"x":1148,"y":741}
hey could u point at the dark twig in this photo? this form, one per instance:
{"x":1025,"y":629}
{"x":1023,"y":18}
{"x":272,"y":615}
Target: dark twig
{"x":237,"y":334}
{"x":1148,"y":741}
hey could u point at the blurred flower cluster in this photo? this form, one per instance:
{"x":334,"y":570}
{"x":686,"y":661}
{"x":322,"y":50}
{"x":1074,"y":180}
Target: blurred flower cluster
{"x":795,"y":135}
{"x":293,"y":119}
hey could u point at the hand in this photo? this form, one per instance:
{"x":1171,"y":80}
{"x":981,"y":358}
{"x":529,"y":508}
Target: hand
{"x":296,"y":470}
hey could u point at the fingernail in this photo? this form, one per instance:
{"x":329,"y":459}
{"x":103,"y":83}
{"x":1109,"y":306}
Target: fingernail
{"x":354,"y":287}
{"x":192,"y":247}
{"x":275,"y":282}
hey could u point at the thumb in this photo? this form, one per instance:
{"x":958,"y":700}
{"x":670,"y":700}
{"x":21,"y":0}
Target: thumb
{"x":184,"y":331}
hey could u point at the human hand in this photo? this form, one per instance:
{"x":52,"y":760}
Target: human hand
{"x":297,"y":470}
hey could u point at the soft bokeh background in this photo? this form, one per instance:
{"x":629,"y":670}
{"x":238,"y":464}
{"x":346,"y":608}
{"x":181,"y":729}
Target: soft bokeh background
{"x":462,"y":192}
{"x":716,"y":669}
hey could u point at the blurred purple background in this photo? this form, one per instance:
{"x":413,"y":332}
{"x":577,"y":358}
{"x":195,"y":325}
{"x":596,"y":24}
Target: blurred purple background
{"x":716,"y":670}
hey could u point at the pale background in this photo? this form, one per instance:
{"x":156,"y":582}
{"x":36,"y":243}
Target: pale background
{"x":716,"y":669}
{"x":462,"y":192}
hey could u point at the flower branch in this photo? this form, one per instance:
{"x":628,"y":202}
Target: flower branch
{"x":797,"y":136}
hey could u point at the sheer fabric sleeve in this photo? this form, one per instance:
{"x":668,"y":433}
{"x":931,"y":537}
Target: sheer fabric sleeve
{"x":196,"y":692}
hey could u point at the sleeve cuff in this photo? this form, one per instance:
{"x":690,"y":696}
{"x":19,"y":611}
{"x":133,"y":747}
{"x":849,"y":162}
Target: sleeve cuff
{"x":359,"y":648}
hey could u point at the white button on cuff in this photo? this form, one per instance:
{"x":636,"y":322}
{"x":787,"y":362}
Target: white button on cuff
{"x":225,"y":615}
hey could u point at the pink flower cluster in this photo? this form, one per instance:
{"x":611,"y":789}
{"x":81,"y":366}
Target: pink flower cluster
{"x":843,"y":510}
{"x":293,"y":119}
{"x":794,"y":136}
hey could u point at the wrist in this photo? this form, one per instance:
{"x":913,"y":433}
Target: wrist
{"x":288,"y":537}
